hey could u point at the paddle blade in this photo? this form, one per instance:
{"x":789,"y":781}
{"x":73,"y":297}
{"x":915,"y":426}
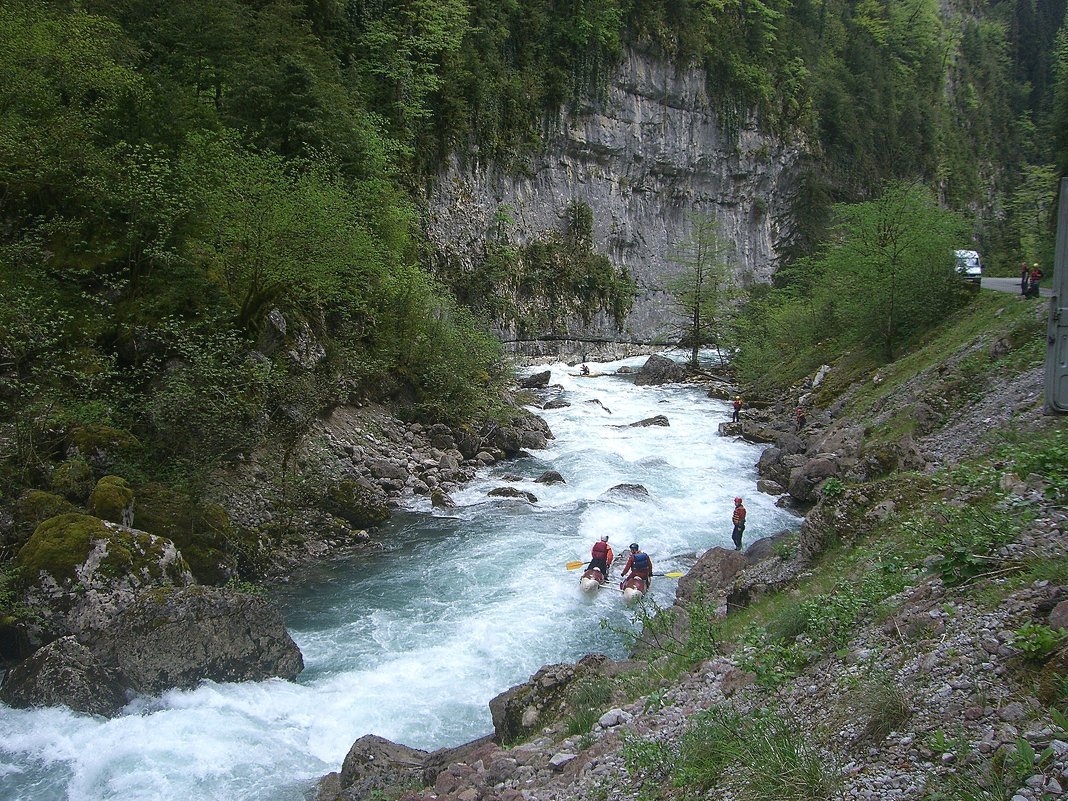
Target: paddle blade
{"x":672,"y":575}
{"x":573,"y":565}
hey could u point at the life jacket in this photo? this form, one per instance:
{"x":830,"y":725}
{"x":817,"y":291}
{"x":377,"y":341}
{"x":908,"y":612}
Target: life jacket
{"x":739,"y":515}
{"x":642,"y":562}
{"x":600,"y":550}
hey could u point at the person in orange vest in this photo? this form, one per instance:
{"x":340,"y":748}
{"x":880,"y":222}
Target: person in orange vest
{"x":602,"y":556}
{"x":638,"y":564}
{"x":738,"y":518}
{"x":800,"y":419}
{"x":737,"y":409}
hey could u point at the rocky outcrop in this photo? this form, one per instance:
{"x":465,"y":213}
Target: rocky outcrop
{"x":521,"y":710}
{"x":80,"y":572}
{"x":64,"y":673}
{"x":642,"y":157}
{"x":659,"y":370}
{"x":179,"y":637}
{"x":657,"y":420}
{"x":714,"y":571}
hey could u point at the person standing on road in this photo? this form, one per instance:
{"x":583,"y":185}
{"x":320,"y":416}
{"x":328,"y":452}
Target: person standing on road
{"x":1033,"y":279}
{"x":738,"y":518}
{"x":1025,"y":278}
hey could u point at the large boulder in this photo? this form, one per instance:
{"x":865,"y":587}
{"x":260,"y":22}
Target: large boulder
{"x":536,"y":381}
{"x":376,"y":767}
{"x":659,"y":370}
{"x":522,"y":710}
{"x":203,"y":532}
{"x":177,"y":637}
{"x":64,"y":673}
{"x":805,"y":480}
{"x":522,"y":429}
{"x":714,"y":571}
{"x":73,"y":480}
{"x":80,"y":571}
{"x":358,"y":502}
{"x":112,"y":499}
{"x":34,"y":506}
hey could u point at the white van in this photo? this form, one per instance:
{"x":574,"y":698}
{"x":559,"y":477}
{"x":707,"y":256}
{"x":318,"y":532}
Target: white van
{"x":969,"y":264}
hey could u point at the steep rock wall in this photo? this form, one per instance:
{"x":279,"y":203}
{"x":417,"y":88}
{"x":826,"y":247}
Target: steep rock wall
{"x":648,"y":152}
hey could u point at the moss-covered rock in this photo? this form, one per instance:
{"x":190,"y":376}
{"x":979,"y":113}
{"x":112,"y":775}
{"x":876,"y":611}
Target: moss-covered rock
{"x":99,"y":445}
{"x":77,"y":571}
{"x":96,"y":437}
{"x":112,"y":499}
{"x":35,"y":506}
{"x":359,"y":502}
{"x":62,"y":546}
{"x":73,"y":480}
{"x":203,"y":532}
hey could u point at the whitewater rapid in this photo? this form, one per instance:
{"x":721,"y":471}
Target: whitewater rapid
{"x":412,"y":642}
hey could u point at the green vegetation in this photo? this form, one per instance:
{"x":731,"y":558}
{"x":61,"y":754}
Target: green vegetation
{"x":882,"y":282}
{"x":761,"y":757}
{"x":703,"y":291}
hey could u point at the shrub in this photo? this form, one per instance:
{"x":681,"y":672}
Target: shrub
{"x":1036,"y":641}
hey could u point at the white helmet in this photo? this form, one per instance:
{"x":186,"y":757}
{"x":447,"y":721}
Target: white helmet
{"x":604,"y":538}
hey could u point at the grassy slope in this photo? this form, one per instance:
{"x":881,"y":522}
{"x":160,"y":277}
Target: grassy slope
{"x":953,"y":526}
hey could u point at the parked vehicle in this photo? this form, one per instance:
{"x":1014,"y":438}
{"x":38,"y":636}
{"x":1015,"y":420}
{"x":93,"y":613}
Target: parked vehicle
{"x":969,"y":265}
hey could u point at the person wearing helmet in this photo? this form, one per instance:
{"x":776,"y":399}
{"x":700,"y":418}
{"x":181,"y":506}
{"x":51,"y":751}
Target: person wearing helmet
{"x":738,"y":518}
{"x":737,"y":408}
{"x":1033,"y":280}
{"x":638,"y":564}
{"x":602,"y":556}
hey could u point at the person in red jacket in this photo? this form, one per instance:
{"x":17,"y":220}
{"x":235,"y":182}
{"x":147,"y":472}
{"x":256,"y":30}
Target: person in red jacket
{"x":738,"y":518}
{"x":737,"y":409}
{"x":638,"y":564}
{"x":602,"y":556}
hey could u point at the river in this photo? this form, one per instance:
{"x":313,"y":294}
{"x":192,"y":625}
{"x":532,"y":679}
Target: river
{"x":412,"y":642}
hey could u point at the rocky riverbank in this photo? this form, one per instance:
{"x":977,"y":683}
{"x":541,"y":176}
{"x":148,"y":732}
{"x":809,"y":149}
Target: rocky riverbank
{"x":908,"y":643}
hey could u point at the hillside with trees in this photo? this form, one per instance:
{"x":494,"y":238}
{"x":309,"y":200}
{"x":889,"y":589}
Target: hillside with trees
{"x":172,"y":174}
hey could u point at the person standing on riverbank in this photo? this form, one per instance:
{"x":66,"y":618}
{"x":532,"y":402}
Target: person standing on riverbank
{"x":738,"y":518}
{"x":737,"y":409}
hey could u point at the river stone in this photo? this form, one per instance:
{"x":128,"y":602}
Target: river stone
{"x":626,"y":491}
{"x":512,"y":492}
{"x":658,"y":420}
{"x":550,"y":477}
{"x":64,"y":673}
{"x":536,"y":381}
{"x":659,"y":370}
{"x":375,"y":766}
{"x":178,"y":637}
{"x":716,"y":568}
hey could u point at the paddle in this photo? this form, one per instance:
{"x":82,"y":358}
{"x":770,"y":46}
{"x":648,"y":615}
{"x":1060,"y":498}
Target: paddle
{"x":573,"y":565}
{"x":670,"y":575}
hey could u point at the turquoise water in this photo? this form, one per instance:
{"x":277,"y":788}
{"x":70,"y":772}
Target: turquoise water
{"x":412,"y":642}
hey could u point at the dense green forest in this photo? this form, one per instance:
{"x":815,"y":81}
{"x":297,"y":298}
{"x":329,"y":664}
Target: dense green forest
{"x":172,"y":173}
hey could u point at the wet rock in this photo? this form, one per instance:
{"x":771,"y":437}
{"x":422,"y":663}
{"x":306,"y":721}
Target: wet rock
{"x":64,"y":673}
{"x":658,"y":420}
{"x":536,"y":381}
{"x":176,"y":637}
{"x":375,"y":766}
{"x":512,"y":492}
{"x":550,"y":477}
{"x":716,"y":568}
{"x":659,"y":370}
{"x":626,"y":491}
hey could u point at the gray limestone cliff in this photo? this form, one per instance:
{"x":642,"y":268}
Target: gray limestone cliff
{"x":651,"y":150}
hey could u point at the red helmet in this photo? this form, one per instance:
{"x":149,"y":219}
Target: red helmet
{"x":737,"y":500}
